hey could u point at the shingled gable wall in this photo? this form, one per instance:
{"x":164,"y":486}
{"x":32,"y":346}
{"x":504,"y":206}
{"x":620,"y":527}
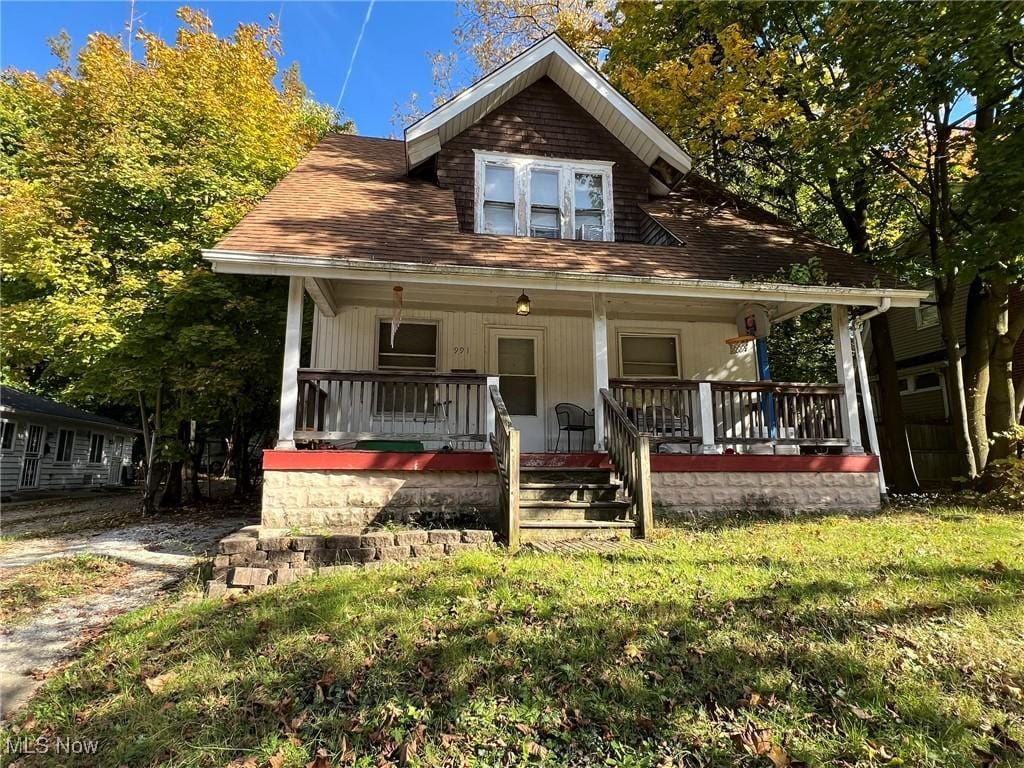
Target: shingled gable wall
{"x":544,"y":120}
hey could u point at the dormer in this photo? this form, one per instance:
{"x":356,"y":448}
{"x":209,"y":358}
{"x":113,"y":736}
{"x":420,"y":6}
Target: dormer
{"x":545,"y":147}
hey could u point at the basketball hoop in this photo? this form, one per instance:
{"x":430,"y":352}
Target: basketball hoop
{"x":739,"y":344}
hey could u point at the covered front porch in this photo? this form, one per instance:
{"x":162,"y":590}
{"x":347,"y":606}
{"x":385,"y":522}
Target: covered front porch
{"x":582,"y":411}
{"x":409,"y":368}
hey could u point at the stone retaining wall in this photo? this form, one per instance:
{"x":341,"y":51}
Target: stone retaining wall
{"x":248,"y":561}
{"x":705,"y":494}
{"x":311,"y":499}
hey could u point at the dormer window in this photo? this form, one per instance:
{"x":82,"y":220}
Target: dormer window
{"x":543,"y":197}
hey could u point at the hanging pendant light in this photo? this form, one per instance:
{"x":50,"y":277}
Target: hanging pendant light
{"x":523,"y":304}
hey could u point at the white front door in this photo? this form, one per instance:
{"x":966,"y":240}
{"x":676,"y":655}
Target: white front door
{"x":30,"y":460}
{"x":517,"y":357}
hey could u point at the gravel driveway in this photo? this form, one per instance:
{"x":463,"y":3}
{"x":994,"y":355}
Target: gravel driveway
{"x":160,"y":551}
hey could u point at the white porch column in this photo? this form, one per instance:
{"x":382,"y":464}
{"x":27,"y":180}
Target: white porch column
{"x":847,"y":377}
{"x":289,"y":375}
{"x":600,"y":316}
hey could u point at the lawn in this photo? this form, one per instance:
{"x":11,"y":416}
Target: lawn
{"x":888,"y":640}
{"x":28,"y":590}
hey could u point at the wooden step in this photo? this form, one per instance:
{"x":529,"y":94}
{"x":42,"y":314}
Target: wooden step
{"x":560,"y":504}
{"x":569,"y":486}
{"x":577,"y":524}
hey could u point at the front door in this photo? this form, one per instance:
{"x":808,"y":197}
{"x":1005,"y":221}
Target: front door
{"x":517,"y":357}
{"x":116,"y":458}
{"x":30,"y":460}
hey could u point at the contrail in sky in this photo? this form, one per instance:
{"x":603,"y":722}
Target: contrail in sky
{"x":355,"y":51}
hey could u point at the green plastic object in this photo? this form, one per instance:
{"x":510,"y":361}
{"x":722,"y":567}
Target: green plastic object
{"x":399,"y":446}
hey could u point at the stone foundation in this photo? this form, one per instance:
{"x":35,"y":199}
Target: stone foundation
{"x":708,"y":494}
{"x":333,"y":499}
{"x":253,"y":558}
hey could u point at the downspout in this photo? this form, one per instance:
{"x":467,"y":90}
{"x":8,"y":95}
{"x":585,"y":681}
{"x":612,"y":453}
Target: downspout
{"x":859,"y":332}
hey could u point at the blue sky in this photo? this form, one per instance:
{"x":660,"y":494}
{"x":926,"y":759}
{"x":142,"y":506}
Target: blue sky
{"x":321,"y":36}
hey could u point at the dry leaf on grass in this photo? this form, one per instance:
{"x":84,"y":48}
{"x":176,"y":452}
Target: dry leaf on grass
{"x":159,"y":682}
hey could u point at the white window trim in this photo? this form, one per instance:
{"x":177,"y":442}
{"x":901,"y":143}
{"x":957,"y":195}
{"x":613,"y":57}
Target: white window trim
{"x":566,"y":169}
{"x":56,"y":448}
{"x":650,"y":334}
{"x":407,"y":321}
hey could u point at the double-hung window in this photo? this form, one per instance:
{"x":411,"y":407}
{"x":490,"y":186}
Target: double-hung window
{"x":414,"y":349}
{"x":65,"y":443}
{"x":96,"y":448}
{"x":7,"y":430}
{"x":648,"y":356}
{"x":543,"y":197}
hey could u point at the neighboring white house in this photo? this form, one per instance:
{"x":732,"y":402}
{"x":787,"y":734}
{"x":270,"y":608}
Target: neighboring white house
{"x":47,"y":446}
{"x":534,"y":267}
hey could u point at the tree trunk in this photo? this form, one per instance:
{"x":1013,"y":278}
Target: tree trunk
{"x":900,"y":474}
{"x":172,"y":494}
{"x":1002,"y":413}
{"x":945,"y":295}
{"x":978,"y":340}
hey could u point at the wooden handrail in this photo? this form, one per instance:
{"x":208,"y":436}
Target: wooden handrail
{"x":505,"y":444}
{"x":630,"y":453}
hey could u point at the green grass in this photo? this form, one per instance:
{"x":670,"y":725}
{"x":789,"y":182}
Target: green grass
{"x":26,"y":591}
{"x":888,"y":640}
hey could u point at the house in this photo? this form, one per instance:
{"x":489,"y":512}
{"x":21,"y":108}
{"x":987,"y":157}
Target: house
{"x":534,"y":267}
{"x":48,"y":446}
{"x":925,"y":390}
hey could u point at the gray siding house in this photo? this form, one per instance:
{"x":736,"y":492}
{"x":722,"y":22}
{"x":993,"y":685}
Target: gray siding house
{"x":47,"y":446}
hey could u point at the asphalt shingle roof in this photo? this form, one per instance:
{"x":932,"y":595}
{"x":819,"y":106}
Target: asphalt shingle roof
{"x":351,"y":198}
{"x":23,"y":402}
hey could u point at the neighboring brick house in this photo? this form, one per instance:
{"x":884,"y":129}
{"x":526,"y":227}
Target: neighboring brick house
{"x":48,"y":446}
{"x":534,"y":267}
{"x":924,"y":384}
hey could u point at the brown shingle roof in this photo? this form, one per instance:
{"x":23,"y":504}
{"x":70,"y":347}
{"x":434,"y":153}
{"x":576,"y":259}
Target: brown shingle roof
{"x":350,"y":198}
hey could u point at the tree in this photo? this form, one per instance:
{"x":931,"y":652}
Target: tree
{"x":116,"y":173}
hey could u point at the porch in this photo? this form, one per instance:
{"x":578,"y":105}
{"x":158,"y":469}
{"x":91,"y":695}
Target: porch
{"x":463,"y":412}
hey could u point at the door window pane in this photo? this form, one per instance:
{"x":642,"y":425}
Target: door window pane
{"x":517,"y":380}
{"x":519,"y":394}
{"x":515,"y":356}
{"x":650,"y":356}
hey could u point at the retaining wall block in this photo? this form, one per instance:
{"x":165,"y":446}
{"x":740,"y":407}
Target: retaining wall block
{"x":377,"y":540}
{"x":275,"y":544}
{"x":407,"y":538}
{"x":478,"y":537}
{"x":444,"y":536}
{"x":249,"y":577}
{"x":393,"y":553}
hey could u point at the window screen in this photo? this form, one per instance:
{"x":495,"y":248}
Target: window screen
{"x":517,"y":376}
{"x":649,"y":356}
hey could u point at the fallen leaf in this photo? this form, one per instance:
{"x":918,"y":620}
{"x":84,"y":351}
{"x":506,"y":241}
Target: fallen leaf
{"x":632,"y":650}
{"x":492,"y":637}
{"x":320,"y":761}
{"x":158,"y":683}
{"x":533,"y":749}
{"x":277,"y":760}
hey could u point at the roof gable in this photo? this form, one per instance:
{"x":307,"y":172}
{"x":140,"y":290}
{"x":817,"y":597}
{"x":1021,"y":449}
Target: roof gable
{"x":551,"y":57}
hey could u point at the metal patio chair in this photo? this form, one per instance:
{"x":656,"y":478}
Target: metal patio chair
{"x":573,"y":419}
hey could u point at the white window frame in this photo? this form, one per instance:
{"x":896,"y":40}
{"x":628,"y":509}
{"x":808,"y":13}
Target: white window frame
{"x":71,"y":453}
{"x":567,"y":169}
{"x":4,"y":424}
{"x":650,"y":334}
{"x":408,"y":321}
{"x":927,"y":305}
{"x":103,"y":439}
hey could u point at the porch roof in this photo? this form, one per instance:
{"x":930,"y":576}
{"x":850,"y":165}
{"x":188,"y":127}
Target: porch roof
{"x":351,"y":199}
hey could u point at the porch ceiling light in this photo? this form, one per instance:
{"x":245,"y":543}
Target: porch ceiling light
{"x":523,"y":304}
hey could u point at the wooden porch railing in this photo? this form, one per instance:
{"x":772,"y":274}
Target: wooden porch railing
{"x":630,"y":454}
{"x":505,"y":443}
{"x":733,"y":413}
{"x":365,"y":405}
